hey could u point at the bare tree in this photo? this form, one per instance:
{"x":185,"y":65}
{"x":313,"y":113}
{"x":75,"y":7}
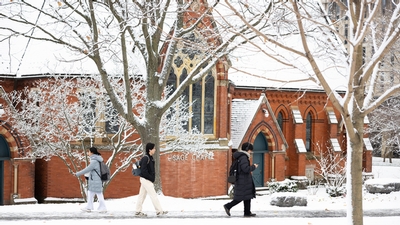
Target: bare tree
{"x":64,"y":116}
{"x":319,"y":50}
{"x":138,"y":37}
{"x":332,"y":169}
{"x":384,"y":129}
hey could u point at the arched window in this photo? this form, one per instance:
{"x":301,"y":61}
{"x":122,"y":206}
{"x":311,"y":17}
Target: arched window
{"x":209,"y":96}
{"x":280,"y":120}
{"x":308,"y":132}
{"x":201,"y":95}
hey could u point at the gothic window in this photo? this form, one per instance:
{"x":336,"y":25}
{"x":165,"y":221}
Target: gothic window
{"x":196,"y":104}
{"x":308,"y":132}
{"x":209,"y":104}
{"x":201,"y":95}
{"x":280,"y":120}
{"x":185,"y":93}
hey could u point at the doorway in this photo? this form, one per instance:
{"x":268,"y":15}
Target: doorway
{"x":260,"y":149}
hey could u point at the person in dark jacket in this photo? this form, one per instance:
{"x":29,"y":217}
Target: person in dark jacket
{"x":244,"y":186}
{"x":147,"y":178}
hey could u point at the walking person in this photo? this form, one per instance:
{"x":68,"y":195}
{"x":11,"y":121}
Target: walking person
{"x":147,"y":178}
{"x":244,"y":186}
{"x":95,"y":184}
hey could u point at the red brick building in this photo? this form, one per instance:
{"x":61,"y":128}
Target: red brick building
{"x":285,"y":125}
{"x":278,"y":122}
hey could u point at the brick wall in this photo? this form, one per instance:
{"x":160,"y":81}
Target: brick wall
{"x":26,"y":177}
{"x":58,"y":182}
{"x":7,"y":180}
{"x":186,"y":177}
{"x":23,"y":185}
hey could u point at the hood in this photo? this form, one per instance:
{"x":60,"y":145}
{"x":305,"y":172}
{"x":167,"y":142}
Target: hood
{"x":96,"y":157}
{"x":240,"y":153}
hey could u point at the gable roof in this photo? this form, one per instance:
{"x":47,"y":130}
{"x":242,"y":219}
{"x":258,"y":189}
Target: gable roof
{"x":243,"y":114}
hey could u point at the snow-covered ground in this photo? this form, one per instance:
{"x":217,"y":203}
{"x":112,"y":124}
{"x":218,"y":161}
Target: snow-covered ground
{"x":210,"y":210}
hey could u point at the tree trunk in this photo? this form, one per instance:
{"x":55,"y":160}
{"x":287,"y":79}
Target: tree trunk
{"x":354,"y":181}
{"x":355,"y":130}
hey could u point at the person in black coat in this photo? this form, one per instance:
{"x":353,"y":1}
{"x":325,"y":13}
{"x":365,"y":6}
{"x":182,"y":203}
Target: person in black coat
{"x":244,"y":186}
{"x":147,"y":178}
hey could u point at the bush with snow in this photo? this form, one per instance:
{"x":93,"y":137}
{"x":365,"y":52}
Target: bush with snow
{"x":335,"y":191}
{"x":283,"y":186}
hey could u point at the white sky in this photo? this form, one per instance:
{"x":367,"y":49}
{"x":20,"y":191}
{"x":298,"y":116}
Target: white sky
{"x":211,"y":211}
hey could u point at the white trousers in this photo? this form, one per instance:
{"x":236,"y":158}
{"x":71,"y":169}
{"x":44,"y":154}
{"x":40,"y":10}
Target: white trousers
{"x":147,"y":187}
{"x":100,"y":197}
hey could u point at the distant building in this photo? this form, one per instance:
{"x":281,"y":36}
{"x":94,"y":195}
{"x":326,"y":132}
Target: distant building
{"x":389,"y":67}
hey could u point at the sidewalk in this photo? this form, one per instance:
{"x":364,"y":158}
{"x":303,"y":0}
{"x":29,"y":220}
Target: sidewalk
{"x":80,"y":215}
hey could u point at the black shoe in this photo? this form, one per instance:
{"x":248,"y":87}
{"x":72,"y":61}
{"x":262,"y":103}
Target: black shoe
{"x":250,"y":215}
{"x":227,"y":211}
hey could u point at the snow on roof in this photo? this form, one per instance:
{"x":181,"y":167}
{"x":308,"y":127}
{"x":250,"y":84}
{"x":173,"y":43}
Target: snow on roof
{"x":300,"y":146}
{"x":250,"y":67}
{"x":243,"y":112}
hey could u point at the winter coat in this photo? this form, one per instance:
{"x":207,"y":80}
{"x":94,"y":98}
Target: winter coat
{"x":244,"y":185}
{"x":147,"y":167}
{"x":94,"y":182}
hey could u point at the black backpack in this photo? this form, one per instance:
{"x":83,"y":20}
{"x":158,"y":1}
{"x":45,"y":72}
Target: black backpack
{"x":136,"y":170}
{"x":104,"y":172}
{"x":233,"y":171}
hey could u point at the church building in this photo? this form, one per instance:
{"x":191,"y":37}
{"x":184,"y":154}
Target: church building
{"x":288,"y":125}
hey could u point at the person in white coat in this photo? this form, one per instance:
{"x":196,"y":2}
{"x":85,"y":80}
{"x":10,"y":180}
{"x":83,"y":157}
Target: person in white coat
{"x":95,"y":184}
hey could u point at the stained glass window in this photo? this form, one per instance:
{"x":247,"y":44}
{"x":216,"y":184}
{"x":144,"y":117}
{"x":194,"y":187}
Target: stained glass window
{"x":201,"y":95}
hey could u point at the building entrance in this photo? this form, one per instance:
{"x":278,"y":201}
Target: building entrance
{"x":259,"y":151}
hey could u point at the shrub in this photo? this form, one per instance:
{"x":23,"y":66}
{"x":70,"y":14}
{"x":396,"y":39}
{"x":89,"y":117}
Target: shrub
{"x":283,"y":186}
{"x":335,"y":191}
